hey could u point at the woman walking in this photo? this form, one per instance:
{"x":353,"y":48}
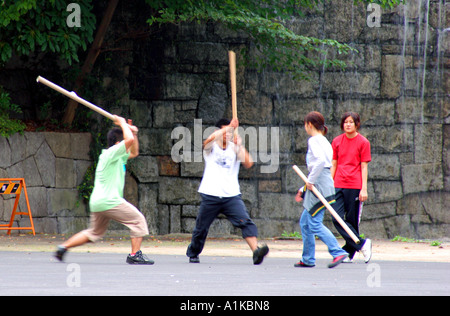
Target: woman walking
{"x":318,"y":160}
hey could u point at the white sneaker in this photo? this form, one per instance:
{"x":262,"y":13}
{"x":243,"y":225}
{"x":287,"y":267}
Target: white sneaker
{"x":348,"y":260}
{"x":367,"y":250}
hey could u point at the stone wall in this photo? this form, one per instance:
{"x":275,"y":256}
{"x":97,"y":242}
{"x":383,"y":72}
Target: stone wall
{"x":53,"y":165}
{"x":398,"y":82}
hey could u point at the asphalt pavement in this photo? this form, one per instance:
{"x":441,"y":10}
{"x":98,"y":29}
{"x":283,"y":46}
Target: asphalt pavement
{"x":106,"y":274}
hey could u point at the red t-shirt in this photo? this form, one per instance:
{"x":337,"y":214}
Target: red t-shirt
{"x":349,"y":153}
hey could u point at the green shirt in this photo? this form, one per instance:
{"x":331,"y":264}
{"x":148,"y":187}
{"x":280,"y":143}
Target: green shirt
{"x":109,"y":178}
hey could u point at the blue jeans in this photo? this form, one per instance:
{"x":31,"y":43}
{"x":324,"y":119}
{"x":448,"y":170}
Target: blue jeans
{"x":311,"y":227}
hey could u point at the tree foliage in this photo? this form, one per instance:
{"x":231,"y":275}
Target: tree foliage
{"x":277,"y":46}
{"x":9,"y":126}
{"x":28,"y":26}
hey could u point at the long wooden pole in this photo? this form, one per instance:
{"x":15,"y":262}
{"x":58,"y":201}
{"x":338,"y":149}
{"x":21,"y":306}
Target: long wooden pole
{"x":74,"y":97}
{"x":327,"y":205}
{"x":232,"y":62}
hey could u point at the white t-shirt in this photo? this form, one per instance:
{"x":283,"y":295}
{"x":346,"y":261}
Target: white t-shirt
{"x":220,"y":177}
{"x":319,"y":156}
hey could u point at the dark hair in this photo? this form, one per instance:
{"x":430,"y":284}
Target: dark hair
{"x":114,"y":135}
{"x":354,"y":116}
{"x":317,"y":120}
{"x":223,"y":122}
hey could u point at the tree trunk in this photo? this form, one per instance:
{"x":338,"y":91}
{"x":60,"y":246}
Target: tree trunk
{"x":94,"y":51}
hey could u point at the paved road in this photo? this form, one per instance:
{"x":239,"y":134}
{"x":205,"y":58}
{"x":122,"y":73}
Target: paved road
{"x":107,"y":274}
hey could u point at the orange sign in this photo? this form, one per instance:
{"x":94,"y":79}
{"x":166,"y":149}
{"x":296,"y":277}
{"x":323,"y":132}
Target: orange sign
{"x":16,"y":186}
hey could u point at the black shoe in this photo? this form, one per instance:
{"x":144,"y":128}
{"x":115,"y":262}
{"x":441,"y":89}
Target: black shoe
{"x":259,"y":254}
{"x":194,"y":260}
{"x":139,"y":258}
{"x":60,"y":252}
{"x":301,"y":264}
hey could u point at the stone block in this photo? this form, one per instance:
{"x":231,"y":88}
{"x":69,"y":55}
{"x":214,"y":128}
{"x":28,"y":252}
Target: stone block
{"x":183,"y":86}
{"x":422,"y":177}
{"x":80,"y":146}
{"x":155,"y":142}
{"x":278,"y":206}
{"x":46,"y":164}
{"x":65,"y":173}
{"x":148,"y":205}
{"x":141,"y":112}
{"x":34,"y":142}
{"x":167,"y":167}
{"x":213,"y":103}
{"x":163,"y":113}
{"x":386,"y":191}
{"x":372,"y":112}
{"x":254,"y":109}
{"x":391,"y":75}
{"x":28,"y":170}
{"x":18,"y":145}
{"x":203,"y":53}
{"x":145,"y":168}
{"x":175,"y":219}
{"x":427,"y":143}
{"x":418,"y":110}
{"x":61,"y":200}
{"x":5,"y":153}
{"x":393,"y":139}
{"x":59,"y":144}
{"x":351,"y":83}
{"x":293,"y":111}
{"x":379,"y":210}
{"x":384,"y":167}
{"x":178,"y":191}
{"x":37,"y":197}
{"x":273,"y":186}
{"x":432,"y":204}
{"x":192,"y":169}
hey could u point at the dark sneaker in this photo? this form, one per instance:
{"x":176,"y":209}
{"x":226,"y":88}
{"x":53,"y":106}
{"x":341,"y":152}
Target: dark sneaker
{"x":194,"y":259}
{"x":259,"y":254}
{"x":337,"y":261}
{"x":139,"y":258}
{"x":60,"y":252}
{"x":301,"y":264}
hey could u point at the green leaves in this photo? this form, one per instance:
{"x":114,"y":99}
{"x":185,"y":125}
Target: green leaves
{"x":277,"y":47}
{"x":9,"y":126}
{"x":27,"y":26}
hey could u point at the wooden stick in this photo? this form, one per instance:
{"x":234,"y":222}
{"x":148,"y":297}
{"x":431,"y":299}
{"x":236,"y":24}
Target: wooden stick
{"x":327,"y":205}
{"x":232,"y":61}
{"x":75,"y":97}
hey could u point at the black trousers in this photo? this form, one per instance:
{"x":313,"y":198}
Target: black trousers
{"x":211,"y":206}
{"x":347,"y":207}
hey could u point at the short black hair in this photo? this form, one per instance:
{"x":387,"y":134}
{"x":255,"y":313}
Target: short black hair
{"x":356,"y":119}
{"x":223,"y":122}
{"x":114,"y":135}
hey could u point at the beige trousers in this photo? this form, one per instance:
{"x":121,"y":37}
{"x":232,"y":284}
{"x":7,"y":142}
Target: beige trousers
{"x":125,"y":214}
